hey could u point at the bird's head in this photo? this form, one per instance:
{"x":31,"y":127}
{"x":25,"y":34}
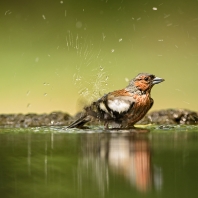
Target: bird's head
{"x":144,"y":82}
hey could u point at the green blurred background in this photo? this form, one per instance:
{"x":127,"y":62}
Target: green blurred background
{"x":57,"y":54}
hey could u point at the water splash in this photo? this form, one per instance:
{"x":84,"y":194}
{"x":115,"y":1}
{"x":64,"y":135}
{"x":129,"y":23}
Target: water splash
{"x":90,"y":87}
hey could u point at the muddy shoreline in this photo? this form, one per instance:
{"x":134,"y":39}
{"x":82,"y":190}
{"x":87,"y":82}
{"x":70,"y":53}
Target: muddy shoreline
{"x":162,"y":117}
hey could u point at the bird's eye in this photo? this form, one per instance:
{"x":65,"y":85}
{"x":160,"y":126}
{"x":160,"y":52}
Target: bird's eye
{"x":146,"y":78}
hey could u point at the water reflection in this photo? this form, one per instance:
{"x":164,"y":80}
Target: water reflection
{"x":39,"y":164}
{"x":127,"y":156}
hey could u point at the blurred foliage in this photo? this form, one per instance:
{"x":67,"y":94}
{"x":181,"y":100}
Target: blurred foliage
{"x":58,"y":54}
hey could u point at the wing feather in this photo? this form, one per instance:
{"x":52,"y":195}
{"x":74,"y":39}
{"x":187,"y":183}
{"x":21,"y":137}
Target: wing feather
{"x":120,"y":101}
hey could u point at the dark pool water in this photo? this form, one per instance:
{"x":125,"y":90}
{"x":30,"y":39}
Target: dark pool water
{"x":55,"y":162}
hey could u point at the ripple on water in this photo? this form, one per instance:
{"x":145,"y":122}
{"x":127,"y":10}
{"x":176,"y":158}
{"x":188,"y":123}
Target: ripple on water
{"x":100,"y":129}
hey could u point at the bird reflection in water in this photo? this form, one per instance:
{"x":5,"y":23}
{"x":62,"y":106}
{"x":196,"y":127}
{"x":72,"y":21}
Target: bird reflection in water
{"x":124,"y":154}
{"x":131,"y":158}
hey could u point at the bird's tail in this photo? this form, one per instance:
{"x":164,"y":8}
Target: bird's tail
{"x":80,"y":122}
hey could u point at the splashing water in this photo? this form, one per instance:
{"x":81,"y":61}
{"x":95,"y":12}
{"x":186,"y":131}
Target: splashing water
{"x":93,"y":86}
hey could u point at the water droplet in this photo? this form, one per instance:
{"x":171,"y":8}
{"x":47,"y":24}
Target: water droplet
{"x":120,"y":39}
{"x":101,"y":68}
{"x":112,"y":50}
{"x":45,"y":94}
{"x":79,"y":24}
{"x":186,"y":102}
{"x":8,"y":12}
{"x":126,"y":79}
{"x":43,"y":16}
{"x":78,"y":78}
{"x":61,"y":2}
{"x":44,"y":83}
{"x":106,"y":78}
{"x":154,"y":8}
{"x":28,"y":105}
{"x":28,"y":92}
{"x":103,"y":36}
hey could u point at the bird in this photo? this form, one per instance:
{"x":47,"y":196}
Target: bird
{"x":121,"y":108}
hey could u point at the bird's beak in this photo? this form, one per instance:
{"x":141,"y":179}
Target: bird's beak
{"x":157,"y":80}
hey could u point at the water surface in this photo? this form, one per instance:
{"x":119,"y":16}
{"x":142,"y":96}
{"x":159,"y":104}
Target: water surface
{"x":53,"y":162}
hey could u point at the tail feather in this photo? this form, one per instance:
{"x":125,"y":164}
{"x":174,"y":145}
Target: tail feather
{"x":91,"y":112}
{"x":80,"y":122}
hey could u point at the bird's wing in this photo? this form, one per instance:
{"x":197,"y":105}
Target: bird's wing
{"x":118,"y":101}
